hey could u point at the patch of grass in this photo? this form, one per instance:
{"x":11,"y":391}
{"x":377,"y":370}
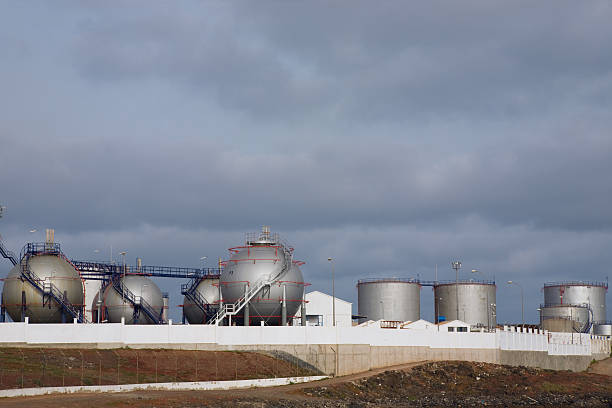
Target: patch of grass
{"x":552,"y":388}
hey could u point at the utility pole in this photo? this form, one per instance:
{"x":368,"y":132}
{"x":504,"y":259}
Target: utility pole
{"x":331,"y":261}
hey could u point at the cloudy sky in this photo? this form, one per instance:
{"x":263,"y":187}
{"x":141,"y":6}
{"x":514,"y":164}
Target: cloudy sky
{"x":392,"y":137}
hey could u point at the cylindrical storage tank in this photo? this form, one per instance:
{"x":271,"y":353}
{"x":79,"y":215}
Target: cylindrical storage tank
{"x":477,"y":302}
{"x":578,"y":293}
{"x":389,"y":299}
{"x":603,"y":329}
{"x":564,"y":318}
{"x":208,"y":289}
{"x":115,"y":306}
{"x":49,"y":268}
{"x":263,"y":259}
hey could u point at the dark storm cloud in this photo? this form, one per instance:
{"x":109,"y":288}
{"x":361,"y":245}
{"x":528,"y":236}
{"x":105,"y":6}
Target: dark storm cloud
{"x":391,"y":63}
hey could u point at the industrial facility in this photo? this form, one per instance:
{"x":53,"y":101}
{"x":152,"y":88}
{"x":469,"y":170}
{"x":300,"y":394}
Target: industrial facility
{"x":260,"y":284}
{"x":575,"y":307}
{"x":393,"y":299}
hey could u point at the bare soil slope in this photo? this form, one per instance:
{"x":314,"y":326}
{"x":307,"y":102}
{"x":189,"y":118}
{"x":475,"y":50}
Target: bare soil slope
{"x":437,"y":384}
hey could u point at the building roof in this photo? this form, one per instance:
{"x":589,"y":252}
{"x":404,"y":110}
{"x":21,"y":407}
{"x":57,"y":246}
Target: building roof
{"x":321,"y":294}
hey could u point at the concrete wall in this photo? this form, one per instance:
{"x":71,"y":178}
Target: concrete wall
{"x":331,"y":350}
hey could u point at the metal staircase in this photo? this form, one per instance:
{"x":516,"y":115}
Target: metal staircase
{"x":189,"y":290}
{"x":50,"y":291}
{"x":231,"y":309}
{"x":137,"y":302}
{"x":8,"y":254}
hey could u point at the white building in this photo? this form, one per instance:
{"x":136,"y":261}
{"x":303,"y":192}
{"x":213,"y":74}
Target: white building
{"x":319,"y":311}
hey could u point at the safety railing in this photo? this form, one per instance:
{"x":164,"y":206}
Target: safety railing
{"x":48,"y":289}
{"x":138,"y":303}
{"x":231,"y":309}
{"x":10,"y":255}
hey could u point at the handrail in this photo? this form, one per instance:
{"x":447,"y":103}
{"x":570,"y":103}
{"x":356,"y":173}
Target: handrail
{"x":189,"y":290}
{"x":48,"y":288}
{"x":576,"y":283}
{"x":231,"y":309}
{"x":137,"y":302}
{"x":93,"y":269}
{"x":426,"y":282}
{"x":10,"y":255}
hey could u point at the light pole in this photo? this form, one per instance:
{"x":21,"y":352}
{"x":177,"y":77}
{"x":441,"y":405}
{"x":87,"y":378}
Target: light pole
{"x":456,"y":266}
{"x":331,"y":261}
{"x":522,"y":301}
{"x":123,"y":263}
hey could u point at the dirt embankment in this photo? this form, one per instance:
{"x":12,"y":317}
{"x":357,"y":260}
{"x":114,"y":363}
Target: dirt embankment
{"x":45,"y":367}
{"x":432,"y":384}
{"x":472,"y":384}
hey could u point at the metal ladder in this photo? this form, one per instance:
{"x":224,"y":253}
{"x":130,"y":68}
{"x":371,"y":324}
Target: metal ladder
{"x":231,"y":309}
{"x":50,"y":291}
{"x":137,"y":302}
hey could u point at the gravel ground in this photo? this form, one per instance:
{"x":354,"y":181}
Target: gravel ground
{"x":433,"y":384}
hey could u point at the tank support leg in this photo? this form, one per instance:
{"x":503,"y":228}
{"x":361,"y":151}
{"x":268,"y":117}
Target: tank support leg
{"x":304,"y":311}
{"x":23,"y":305}
{"x":284,"y":308}
{"x":2,"y":311}
{"x":247,"y":314}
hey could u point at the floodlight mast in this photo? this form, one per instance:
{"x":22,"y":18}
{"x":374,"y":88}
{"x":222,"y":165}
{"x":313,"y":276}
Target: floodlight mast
{"x":456,"y":265}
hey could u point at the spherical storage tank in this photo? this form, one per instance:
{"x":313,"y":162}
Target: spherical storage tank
{"x":208,"y":289}
{"x":389,"y":299}
{"x":115,"y":305}
{"x":263,"y":258}
{"x":592,"y":294}
{"x":476,"y":302}
{"x":47,"y":265}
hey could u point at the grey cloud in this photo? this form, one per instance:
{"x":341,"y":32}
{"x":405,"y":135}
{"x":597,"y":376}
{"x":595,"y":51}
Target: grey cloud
{"x":391,"y":63}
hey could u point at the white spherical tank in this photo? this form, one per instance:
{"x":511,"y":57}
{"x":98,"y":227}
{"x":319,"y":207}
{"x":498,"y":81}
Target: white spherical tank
{"x":48,"y":269}
{"x":208,"y":290}
{"x":263,"y":259}
{"x":115,"y":305}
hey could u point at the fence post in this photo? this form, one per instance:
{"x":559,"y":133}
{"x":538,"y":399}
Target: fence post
{"x":100,"y":368}
{"x":22,"y":366}
{"x":196,"y":364}
{"x":43,"y":364}
{"x":82,"y":366}
{"x":63,"y":369}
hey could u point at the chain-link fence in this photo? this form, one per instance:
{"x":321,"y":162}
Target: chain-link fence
{"x":45,"y":367}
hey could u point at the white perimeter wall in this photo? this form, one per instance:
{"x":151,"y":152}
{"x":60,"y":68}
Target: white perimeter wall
{"x":168,"y":335}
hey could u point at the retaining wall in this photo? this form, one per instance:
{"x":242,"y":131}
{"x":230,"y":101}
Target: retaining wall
{"x":331,"y":350}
